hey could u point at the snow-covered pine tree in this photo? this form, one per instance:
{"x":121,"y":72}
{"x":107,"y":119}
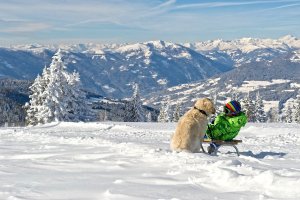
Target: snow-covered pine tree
{"x":75,"y":98}
{"x":235,"y":95}
{"x":37,"y":98}
{"x":252,"y":111}
{"x":161,"y":116}
{"x":128,"y":114}
{"x":32,"y":107}
{"x":56,"y":95}
{"x":297,"y":109}
{"x":138,"y":104}
{"x":134,"y":110}
{"x":288,"y":114}
{"x":177,"y":113}
{"x":54,"y":107}
{"x":249,"y":108}
{"x":260,"y":114}
{"x":273,"y":115}
{"x":164,"y":113}
{"x":149,"y":117}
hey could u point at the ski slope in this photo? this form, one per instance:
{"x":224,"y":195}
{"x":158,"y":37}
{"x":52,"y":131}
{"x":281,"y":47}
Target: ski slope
{"x":103,"y":161}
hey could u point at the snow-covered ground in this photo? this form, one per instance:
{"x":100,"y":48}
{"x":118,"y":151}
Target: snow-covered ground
{"x":99,"y":161}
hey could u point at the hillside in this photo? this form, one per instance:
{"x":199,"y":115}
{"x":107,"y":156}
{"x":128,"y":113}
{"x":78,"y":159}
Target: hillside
{"x":13,"y":95}
{"x":270,"y":68}
{"x":133,"y":161}
{"x":278,"y":80}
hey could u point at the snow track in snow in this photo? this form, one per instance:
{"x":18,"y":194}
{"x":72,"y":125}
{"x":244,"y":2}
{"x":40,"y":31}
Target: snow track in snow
{"x":133,"y":161}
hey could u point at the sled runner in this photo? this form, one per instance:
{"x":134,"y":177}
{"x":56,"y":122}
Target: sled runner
{"x":214,"y":145}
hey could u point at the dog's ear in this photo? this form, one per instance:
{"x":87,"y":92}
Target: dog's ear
{"x":199,"y":103}
{"x":209,"y":105}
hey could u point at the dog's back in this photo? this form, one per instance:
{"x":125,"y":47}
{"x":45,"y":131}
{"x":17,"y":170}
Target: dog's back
{"x":186,"y":136}
{"x":191,"y":127}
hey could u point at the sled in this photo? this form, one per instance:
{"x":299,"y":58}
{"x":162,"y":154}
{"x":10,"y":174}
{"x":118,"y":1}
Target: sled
{"x":217,"y":144}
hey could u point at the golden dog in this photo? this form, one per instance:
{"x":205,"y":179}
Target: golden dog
{"x":192,"y":126}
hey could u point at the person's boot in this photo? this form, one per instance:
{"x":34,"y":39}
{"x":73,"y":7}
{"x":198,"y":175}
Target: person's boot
{"x":210,"y":149}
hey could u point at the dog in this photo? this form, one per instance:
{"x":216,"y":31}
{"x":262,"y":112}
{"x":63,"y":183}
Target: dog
{"x":192,"y":126}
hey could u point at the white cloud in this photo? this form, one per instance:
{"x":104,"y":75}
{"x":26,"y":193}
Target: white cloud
{"x":156,"y":19}
{"x":22,"y":27}
{"x":224,"y":4}
{"x":281,"y":7}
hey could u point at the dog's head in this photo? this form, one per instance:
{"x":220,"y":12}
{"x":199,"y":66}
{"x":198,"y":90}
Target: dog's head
{"x":206,"y":105}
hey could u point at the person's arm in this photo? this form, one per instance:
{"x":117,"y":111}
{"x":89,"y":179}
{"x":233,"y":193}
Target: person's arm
{"x":245,"y":119}
{"x":242,"y":119}
{"x":219,"y":127}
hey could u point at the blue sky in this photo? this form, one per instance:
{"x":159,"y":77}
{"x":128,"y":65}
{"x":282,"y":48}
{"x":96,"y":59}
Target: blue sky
{"x":110,"y":21}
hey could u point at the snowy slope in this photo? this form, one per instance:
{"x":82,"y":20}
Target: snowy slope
{"x":133,"y":161}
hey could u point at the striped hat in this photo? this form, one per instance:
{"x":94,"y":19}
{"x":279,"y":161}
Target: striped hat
{"x":232,"y":107}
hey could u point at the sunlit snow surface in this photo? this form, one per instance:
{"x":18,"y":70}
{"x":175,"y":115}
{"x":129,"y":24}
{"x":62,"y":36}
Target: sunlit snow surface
{"x":132,"y":161}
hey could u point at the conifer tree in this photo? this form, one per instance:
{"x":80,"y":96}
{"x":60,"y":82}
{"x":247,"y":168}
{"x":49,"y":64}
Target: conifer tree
{"x":56,"y":95}
{"x":32,"y":108}
{"x":273,"y":115}
{"x":249,"y":108}
{"x":164,"y":113}
{"x":149,"y":117}
{"x":260,"y":115}
{"x":297,"y":110}
{"x":288,"y":114}
{"x":37,"y":97}
{"x":177,"y":113}
{"x":128,"y":111}
{"x":134,"y":110}
{"x":75,"y":98}
{"x":234,"y":95}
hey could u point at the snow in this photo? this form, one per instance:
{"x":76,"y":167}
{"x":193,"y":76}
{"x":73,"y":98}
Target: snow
{"x":291,"y":41}
{"x":249,"y":86}
{"x":270,"y":104}
{"x":108,"y":88}
{"x":246,"y":45}
{"x":295,"y":85}
{"x":184,"y":54}
{"x":6,"y":64}
{"x":162,"y":81}
{"x":132,"y":161}
{"x":133,"y":48}
{"x":296,"y":57}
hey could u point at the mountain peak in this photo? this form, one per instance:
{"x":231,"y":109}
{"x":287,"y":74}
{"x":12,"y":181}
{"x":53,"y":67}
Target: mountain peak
{"x":159,"y":44}
{"x":288,"y":37}
{"x":291,"y":41}
{"x":155,"y":45}
{"x":247,"y":44}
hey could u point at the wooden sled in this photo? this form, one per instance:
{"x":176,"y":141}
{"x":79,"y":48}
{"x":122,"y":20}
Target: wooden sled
{"x":219,"y":143}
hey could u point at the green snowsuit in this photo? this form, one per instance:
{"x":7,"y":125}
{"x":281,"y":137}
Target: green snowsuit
{"x":226,"y":127}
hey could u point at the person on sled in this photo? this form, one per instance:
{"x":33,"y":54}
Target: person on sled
{"x":226,"y":125}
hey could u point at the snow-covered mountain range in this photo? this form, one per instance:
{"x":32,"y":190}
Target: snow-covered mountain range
{"x":268,"y":67}
{"x":111,"y":70}
{"x":247,"y":50}
{"x":218,"y":65}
